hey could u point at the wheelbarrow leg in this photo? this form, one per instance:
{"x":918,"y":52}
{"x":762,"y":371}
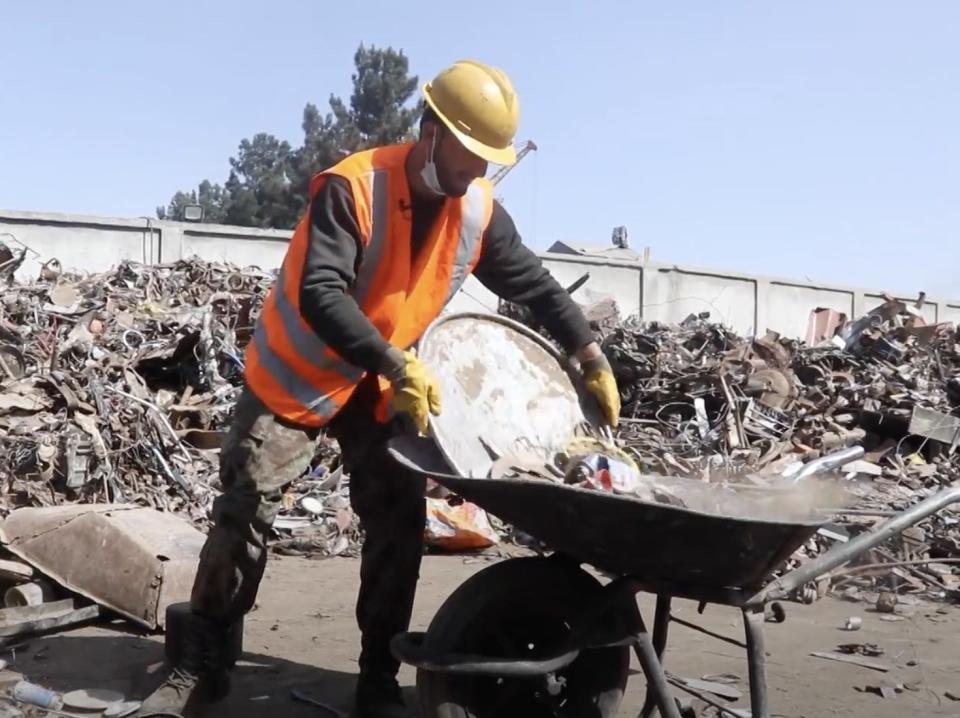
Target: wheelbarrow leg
{"x":661,"y":624}
{"x":753,"y":620}
{"x":653,"y":670}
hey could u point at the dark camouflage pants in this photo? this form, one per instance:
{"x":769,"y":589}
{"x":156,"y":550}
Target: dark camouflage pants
{"x":260,"y":457}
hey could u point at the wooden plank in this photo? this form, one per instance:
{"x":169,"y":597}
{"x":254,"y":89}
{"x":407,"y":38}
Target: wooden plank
{"x":41,"y":625}
{"x":15,"y":570}
{"x":18,"y":614}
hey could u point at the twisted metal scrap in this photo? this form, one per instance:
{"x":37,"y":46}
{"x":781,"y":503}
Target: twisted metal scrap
{"x":118,"y":386}
{"x":701,"y":401}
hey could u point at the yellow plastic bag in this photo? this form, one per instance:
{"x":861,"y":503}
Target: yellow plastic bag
{"x":460,"y":527}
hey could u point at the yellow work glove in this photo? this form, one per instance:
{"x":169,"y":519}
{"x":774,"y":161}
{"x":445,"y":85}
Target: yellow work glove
{"x":416,"y":391}
{"x":599,"y":379}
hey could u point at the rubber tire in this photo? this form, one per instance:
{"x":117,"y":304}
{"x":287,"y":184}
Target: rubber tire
{"x":543,"y":589}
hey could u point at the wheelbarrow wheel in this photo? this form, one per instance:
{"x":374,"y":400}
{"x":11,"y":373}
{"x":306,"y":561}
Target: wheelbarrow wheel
{"x":521,"y":609}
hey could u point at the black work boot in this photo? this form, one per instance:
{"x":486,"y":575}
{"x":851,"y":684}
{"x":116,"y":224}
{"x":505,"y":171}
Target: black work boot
{"x":379,"y":697}
{"x":197,"y":665}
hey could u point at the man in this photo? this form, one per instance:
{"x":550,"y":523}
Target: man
{"x":389,"y":237}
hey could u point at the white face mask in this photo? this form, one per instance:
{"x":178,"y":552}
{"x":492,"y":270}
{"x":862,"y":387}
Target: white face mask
{"x":429,"y":171}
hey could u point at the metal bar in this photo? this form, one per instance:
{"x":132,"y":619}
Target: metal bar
{"x":656,"y":679}
{"x":695,"y":627}
{"x":661,"y":625}
{"x":409,"y":648}
{"x":160,"y":416}
{"x":579,"y":283}
{"x":299,"y":695}
{"x":885,"y":513}
{"x":929,"y":580}
{"x":757,"y":662}
{"x":895,"y":564}
{"x":841,"y":553}
{"x":725,"y":710}
{"x":707,"y":594}
{"x":829,"y":462}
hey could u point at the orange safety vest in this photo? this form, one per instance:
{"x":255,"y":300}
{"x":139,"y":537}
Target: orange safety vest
{"x":289,"y":367}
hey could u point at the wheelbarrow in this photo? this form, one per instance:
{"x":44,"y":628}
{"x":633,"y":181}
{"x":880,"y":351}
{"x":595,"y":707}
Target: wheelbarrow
{"x":544,"y":636}
{"x":541,"y":636}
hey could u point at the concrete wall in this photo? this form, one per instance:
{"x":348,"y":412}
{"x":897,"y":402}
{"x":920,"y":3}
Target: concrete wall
{"x":262,"y":248}
{"x":78,"y":241}
{"x":663,"y":292}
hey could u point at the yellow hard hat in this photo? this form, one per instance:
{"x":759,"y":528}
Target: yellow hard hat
{"x":477,"y":103}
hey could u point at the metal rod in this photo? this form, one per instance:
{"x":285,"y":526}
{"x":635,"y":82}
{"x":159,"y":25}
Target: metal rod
{"x":299,"y":695}
{"x":579,"y":283}
{"x":841,"y":553}
{"x":860,"y":512}
{"x":656,"y":679}
{"x":828,"y":462}
{"x":661,"y":625}
{"x":725,"y":710}
{"x":757,"y":662}
{"x":159,"y":414}
{"x":723,"y":596}
{"x":919,"y":574}
{"x":894,"y":564}
{"x":409,"y":648}
{"x":695,"y":627}
{"x":168,"y":470}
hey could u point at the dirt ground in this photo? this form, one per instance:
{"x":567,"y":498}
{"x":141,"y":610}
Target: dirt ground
{"x":302,"y":635}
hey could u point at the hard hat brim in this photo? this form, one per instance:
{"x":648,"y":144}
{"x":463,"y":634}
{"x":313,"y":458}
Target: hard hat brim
{"x":497,"y":155}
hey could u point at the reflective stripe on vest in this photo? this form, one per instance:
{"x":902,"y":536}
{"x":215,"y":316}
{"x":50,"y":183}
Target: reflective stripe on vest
{"x":307,"y":344}
{"x":314,"y":381}
{"x":472,"y":225}
{"x":378,"y":238}
{"x":471,"y":234}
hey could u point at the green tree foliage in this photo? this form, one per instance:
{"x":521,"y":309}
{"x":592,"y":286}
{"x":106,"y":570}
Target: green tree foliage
{"x":269,"y":179}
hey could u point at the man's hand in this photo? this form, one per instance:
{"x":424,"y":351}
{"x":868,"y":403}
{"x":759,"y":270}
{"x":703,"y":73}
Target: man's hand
{"x":599,"y":379}
{"x":416,"y":391}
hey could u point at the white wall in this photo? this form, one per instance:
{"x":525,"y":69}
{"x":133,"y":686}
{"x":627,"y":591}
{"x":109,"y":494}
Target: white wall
{"x":785,"y":305}
{"x":79,"y":242}
{"x":262,"y":248}
{"x":746,"y":303}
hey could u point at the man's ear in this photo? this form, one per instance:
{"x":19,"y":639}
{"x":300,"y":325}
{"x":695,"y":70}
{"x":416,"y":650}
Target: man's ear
{"x":428,"y":130}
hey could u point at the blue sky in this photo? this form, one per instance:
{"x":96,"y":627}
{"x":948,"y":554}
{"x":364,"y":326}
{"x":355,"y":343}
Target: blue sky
{"x":815,"y":140}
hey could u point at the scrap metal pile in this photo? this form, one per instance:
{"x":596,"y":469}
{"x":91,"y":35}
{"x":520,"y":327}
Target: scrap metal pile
{"x":701,"y":402}
{"x":118,"y":387}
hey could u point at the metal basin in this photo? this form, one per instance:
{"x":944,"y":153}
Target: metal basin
{"x":622,"y":534}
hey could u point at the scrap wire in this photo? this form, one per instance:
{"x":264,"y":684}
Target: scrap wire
{"x":702,"y":402}
{"x":119,"y":382}
{"x":159,"y":414}
{"x":893,"y":564}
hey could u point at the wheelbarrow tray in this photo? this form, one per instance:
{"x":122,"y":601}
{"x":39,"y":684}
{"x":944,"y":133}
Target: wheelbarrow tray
{"x":624,"y":534}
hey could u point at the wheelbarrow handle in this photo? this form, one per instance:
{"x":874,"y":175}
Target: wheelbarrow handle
{"x":782,"y":587}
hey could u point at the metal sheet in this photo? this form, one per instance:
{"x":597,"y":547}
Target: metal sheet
{"x":133,"y":560}
{"x":935,"y":425}
{"x":503,"y":387}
